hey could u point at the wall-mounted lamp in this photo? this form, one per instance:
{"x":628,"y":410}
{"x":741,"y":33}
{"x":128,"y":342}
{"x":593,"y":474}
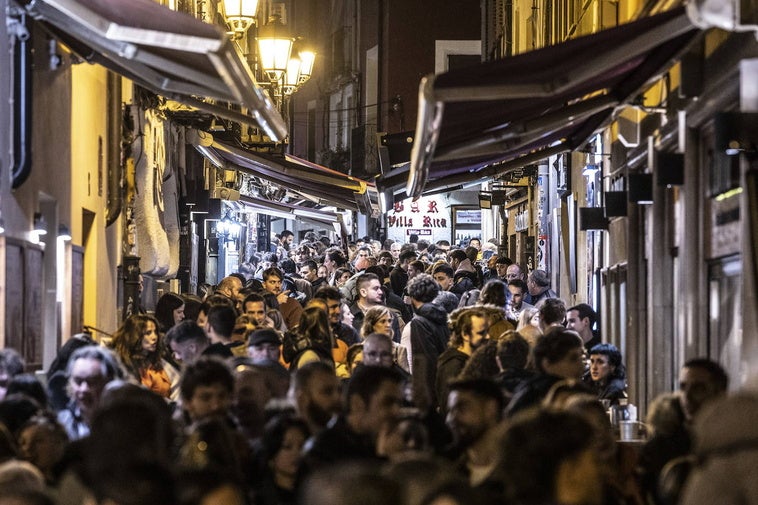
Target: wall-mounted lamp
{"x":40,"y":225}
{"x":735,"y":132}
{"x":640,"y":188}
{"x":240,"y":14}
{"x":64,"y":233}
{"x":485,"y":200}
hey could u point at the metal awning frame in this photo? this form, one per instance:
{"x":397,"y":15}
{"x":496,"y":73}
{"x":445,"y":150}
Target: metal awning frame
{"x":433,"y":96}
{"x":143,"y":55}
{"x":265,"y":167}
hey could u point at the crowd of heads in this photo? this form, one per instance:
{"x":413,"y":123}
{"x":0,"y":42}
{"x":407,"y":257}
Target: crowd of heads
{"x":436,"y":374}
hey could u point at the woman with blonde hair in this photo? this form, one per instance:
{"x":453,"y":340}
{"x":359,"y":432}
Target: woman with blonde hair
{"x":529,"y":316}
{"x":379,"y":319}
{"x":142,"y":350}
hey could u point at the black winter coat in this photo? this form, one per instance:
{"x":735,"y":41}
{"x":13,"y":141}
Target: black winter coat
{"x":429,"y":337}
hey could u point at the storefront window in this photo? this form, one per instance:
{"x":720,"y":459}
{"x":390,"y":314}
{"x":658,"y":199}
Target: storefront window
{"x":725,"y":304}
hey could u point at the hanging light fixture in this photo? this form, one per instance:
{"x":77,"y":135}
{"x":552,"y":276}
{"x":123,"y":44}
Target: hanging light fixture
{"x":240,"y":15}
{"x":40,"y":225}
{"x":64,"y":233}
{"x":274,"y":48}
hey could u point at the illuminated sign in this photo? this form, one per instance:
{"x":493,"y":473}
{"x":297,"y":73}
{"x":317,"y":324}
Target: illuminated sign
{"x":427,"y":217}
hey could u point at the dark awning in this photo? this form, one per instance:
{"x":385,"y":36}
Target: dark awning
{"x":479,"y":122}
{"x":320,"y":184}
{"x":167,"y":52}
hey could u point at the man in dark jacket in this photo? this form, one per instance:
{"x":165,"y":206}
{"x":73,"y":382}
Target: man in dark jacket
{"x":558,"y":355}
{"x":370,"y":294}
{"x":399,"y":274}
{"x":538,"y":284}
{"x":427,"y":334}
{"x":333,"y":300}
{"x":465,"y":277}
{"x":469,"y":332}
{"x":373,"y":400}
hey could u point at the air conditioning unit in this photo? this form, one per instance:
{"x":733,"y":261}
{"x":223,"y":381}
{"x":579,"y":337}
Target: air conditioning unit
{"x":731,"y":15}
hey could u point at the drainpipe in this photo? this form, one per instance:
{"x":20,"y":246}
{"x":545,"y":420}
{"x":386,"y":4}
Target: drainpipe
{"x":19,"y":27}
{"x":380,"y":65}
{"x":113,"y":147}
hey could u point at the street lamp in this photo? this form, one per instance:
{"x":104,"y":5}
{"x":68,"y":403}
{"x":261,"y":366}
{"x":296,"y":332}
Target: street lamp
{"x":307,"y":59}
{"x":40,"y":224}
{"x":240,"y":14}
{"x":299,"y":67}
{"x":274,"y":48}
{"x":292,"y":76}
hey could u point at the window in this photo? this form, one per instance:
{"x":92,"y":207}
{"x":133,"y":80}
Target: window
{"x":449,"y":51}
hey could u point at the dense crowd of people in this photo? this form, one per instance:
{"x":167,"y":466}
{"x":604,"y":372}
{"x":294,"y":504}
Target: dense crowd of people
{"x":383,"y":373}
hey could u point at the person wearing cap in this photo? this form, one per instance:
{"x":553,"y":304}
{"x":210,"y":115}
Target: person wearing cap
{"x":538,"y":284}
{"x":264,"y":345}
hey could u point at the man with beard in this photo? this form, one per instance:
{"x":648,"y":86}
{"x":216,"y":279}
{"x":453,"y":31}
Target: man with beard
{"x":370,"y":294}
{"x":315,"y":392}
{"x":254,"y":307}
{"x":289,"y":307}
{"x":309,"y":272}
{"x":475,"y":408}
{"x":469,"y":327}
{"x":372,"y":402}
{"x":518,"y":290}
{"x":333,"y":299}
